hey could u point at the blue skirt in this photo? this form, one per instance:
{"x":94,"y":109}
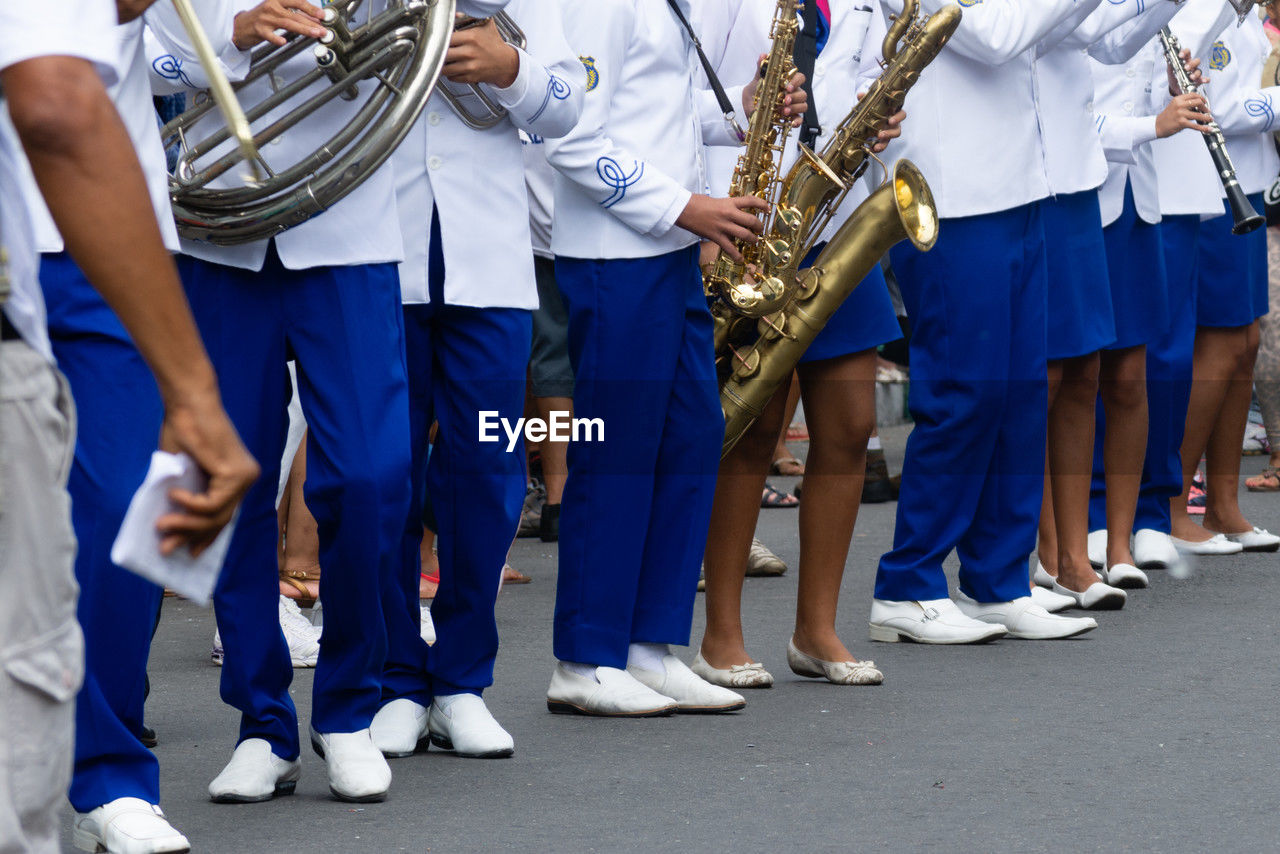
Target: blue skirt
{"x":1079,"y":310}
{"x":1139,"y":289}
{"x":1232,"y":286}
{"x":864,"y":320}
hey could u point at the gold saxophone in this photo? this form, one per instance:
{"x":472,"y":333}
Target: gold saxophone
{"x":758,"y":346}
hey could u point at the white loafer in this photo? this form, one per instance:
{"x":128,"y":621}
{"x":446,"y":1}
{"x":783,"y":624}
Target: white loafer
{"x":426,"y":626}
{"x":1154,"y":550}
{"x":750,"y":675}
{"x":1041,"y":577}
{"x":836,"y":672}
{"x":1257,"y":540}
{"x":1097,"y":597}
{"x":127,"y":826}
{"x":935,"y":621}
{"x":358,"y":772}
{"x":462,"y":723}
{"x":254,"y":774}
{"x":613,"y":693}
{"x":1025,"y":619}
{"x":1050,"y":601}
{"x":1125,"y":576}
{"x":1216,"y":545}
{"x":692,"y":693}
{"x":399,"y":728}
{"x":1098,"y":548}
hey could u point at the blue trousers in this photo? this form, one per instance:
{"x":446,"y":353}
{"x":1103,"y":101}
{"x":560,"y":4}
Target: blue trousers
{"x":1168,"y":387}
{"x":120,"y":415}
{"x":344,"y":327}
{"x":462,"y":361}
{"x":974,"y":469}
{"x":637,"y":504}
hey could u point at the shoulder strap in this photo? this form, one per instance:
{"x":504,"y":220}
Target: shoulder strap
{"x":726,"y":106}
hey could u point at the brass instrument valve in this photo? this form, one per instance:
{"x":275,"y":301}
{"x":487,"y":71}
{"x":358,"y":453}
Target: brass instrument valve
{"x":333,"y":48}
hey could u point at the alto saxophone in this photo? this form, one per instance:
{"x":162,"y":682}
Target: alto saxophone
{"x":756,"y":353}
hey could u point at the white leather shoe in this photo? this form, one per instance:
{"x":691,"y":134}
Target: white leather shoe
{"x":1257,"y":540}
{"x":462,"y":723}
{"x":1125,"y":576}
{"x":1041,"y":577}
{"x":613,"y":693}
{"x":1097,"y":597}
{"x":1098,"y":548}
{"x":400,"y":728}
{"x":751,"y":675}
{"x":1216,"y":545}
{"x":254,"y":774}
{"x":1025,"y":619}
{"x":358,"y":772}
{"x":836,"y":672}
{"x":935,"y":621}
{"x":1154,"y":550}
{"x":127,"y":826}
{"x":692,"y":693}
{"x":1050,"y":601}
{"x":426,"y":626}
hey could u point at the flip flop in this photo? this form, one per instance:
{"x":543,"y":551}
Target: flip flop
{"x":787,"y":467}
{"x":1262,"y":482}
{"x":774,"y":498}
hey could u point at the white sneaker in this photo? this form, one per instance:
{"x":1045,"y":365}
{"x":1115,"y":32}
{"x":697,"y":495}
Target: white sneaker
{"x":462,"y":723}
{"x":1257,"y":540}
{"x":761,"y":562}
{"x":1096,"y":597}
{"x":1025,"y":619}
{"x":217,"y":653}
{"x":254,"y":774}
{"x":127,"y":826}
{"x":358,"y":772}
{"x":427,"y":627}
{"x":400,"y":728}
{"x":302,"y":637}
{"x":1154,"y":550}
{"x":1216,"y":545}
{"x":1050,"y":601}
{"x":613,"y":693}
{"x":691,"y":692}
{"x":1098,"y":548}
{"x":935,"y":621}
{"x":1041,"y":577}
{"x":1125,"y":576}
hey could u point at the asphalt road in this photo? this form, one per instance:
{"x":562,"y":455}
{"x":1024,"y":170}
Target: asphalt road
{"x":1157,"y":732}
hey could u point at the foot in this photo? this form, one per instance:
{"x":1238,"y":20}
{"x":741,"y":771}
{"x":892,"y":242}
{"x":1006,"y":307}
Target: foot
{"x":1213,"y":545}
{"x":1186,"y":531}
{"x":846,"y":672}
{"x":1255,"y":540}
{"x":1025,"y":619}
{"x":358,"y":772}
{"x":749,"y":675}
{"x":936,"y":621}
{"x":127,"y":826}
{"x":1153,"y":550}
{"x":1098,"y":596}
{"x":399,"y":728}
{"x":692,"y":693}
{"x":761,"y":562}
{"x":511,"y":575}
{"x":302,"y":637}
{"x":1041,"y":577}
{"x":1050,"y":601}
{"x":1098,"y":548}
{"x":605,"y":692}
{"x":462,"y":723}
{"x":254,"y":774}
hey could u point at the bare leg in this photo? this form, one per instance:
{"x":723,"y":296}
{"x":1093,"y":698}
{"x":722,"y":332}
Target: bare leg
{"x":1222,"y":463}
{"x":430,"y":565}
{"x":839,"y":398}
{"x":782,"y":452}
{"x":1124,"y":394}
{"x":301,"y":537}
{"x":1071,"y":429}
{"x":1047,"y":542}
{"x":555,"y":455}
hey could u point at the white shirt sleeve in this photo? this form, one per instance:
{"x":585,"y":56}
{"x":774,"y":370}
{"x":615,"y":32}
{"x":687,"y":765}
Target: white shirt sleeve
{"x":1250,"y":111}
{"x":81,"y":28}
{"x":174,"y":64}
{"x":1121,"y":136}
{"x":546,"y":97}
{"x":996,"y":31}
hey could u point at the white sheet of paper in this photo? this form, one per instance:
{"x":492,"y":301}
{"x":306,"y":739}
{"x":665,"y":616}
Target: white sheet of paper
{"x":137,"y":546}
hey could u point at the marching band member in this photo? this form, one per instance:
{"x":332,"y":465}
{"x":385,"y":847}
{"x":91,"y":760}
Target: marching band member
{"x":978,"y":349}
{"x":467,"y":324}
{"x":79,"y":148}
{"x":628,"y":214}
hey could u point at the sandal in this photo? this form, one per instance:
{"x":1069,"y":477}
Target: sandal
{"x":300,"y":586}
{"x":774,"y":498}
{"x":787,"y":467}
{"x":511,"y":575}
{"x":1267,"y":481}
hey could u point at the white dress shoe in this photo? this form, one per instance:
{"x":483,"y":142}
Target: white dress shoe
{"x":1257,"y":540}
{"x":750,"y":675}
{"x":1218,"y":544}
{"x":1125,"y":576}
{"x":358,"y":772}
{"x":462,"y":723}
{"x":1097,"y":597}
{"x":935,"y":621}
{"x":612,"y":693}
{"x":426,"y":626}
{"x":1025,"y":619}
{"x":1154,"y":550}
{"x":1098,"y":548}
{"x":836,"y":672}
{"x":254,"y":774}
{"x":400,"y":728}
{"x":1041,"y":577}
{"x":1050,"y":601}
{"x":127,"y":826}
{"x":761,"y":562}
{"x":692,"y":693}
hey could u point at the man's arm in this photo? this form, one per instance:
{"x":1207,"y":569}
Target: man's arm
{"x":79,"y":151}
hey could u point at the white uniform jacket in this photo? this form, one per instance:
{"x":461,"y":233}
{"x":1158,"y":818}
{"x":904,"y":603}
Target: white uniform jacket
{"x":974,"y":125}
{"x":630,"y":166}
{"x":476,"y":178}
{"x":1127,"y":98}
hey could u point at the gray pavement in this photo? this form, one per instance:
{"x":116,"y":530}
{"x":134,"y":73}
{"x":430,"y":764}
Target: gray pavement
{"x":1157,"y":732}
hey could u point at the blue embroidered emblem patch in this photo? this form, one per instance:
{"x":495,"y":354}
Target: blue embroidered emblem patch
{"x":1219,"y":56}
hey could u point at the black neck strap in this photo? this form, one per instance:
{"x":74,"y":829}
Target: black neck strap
{"x":726,"y":106}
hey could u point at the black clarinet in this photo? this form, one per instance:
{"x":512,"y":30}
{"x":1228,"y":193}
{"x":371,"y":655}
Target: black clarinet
{"x":1246,"y":218}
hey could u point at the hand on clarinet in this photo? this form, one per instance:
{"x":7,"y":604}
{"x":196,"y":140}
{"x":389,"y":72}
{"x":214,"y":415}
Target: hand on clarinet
{"x":1192,"y":67}
{"x":722,"y":221}
{"x":1190,"y":112}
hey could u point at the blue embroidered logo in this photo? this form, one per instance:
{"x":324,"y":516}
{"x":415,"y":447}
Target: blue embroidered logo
{"x":968,"y":3}
{"x":170,"y":68}
{"x":1261,"y":108}
{"x":593,"y":76}
{"x":1219,"y":56}
{"x":556,"y":88}
{"x":612,"y":175}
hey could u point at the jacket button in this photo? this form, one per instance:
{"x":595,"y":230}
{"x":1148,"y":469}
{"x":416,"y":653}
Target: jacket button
{"x":434,"y":162}
{"x":433,"y":119}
